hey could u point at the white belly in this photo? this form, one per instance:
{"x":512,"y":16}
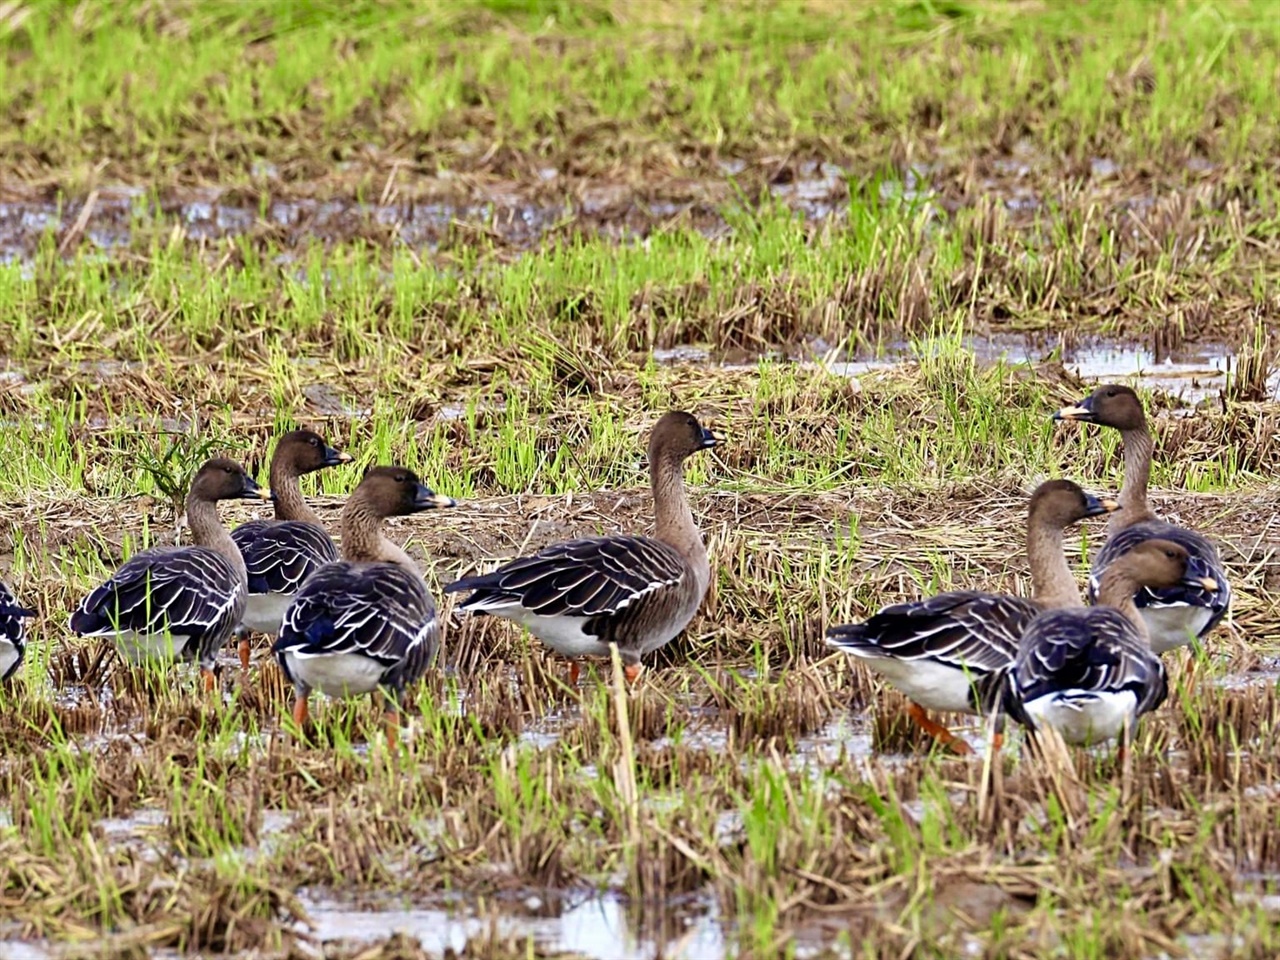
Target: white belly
{"x":145,"y":647}
{"x":562,"y":634}
{"x":1084,"y":719}
{"x":934,"y":686}
{"x":336,"y":674}
{"x":264,"y":612}
{"x":1174,"y":625}
{"x":8,"y":656}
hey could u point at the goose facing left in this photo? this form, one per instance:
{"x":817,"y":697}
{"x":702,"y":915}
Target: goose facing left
{"x":12,"y":632}
{"x":178,"y":602}
{"x":280,"y":554}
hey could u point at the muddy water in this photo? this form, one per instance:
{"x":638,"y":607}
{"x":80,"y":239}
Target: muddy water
{"x":1193,"y":373}
{"x":117,"y":214}
{"x":590,"y":925}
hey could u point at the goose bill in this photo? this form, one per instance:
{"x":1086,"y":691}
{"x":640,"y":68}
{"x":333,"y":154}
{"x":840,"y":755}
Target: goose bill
{"x":1097,"y":506}
{"x":1078,"y":411}
{"x":708,"y":439}
{"x":425,"y":499}
{"x":334,"y":457}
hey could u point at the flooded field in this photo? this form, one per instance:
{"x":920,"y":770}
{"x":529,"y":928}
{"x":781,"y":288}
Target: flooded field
{"x":873,"y":249}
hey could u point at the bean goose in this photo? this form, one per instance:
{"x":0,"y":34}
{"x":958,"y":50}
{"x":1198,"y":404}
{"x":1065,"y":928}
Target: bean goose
{"x":280,"y":554}
{"x":938,"y":651}
{"x":181,"y":602}
{"x":1177,"y":614}
{"x":366,"y":622}
{"x":12,"y":632}
{"x":580,"y":596}
{"x":1089,"y":673}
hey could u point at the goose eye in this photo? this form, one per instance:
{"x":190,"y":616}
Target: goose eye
{"x":313,"y":442}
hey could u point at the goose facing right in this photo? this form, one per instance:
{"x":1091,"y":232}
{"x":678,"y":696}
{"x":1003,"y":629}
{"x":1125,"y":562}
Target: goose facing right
{"x":944,"y":650}
{"x":183,"y":602}
{"x":580,"y":596}
{"x":367,"y":621}
{"x":280,"y":554}
{"x":12,"y":632}
{"x":1090,"y":672}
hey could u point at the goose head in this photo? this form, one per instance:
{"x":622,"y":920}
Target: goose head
{"x":397,"y":492}
{"x":1163,"y":563}
{"x":224,"y":479}
{"x":1110,"y":405}
{"x":303,"y":451}
{"x":1060,"y":503}
{"x":676,"y":436}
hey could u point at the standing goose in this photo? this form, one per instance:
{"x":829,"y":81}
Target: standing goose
{"x":1089,"y":673}
{"x":12,"y":632}
{"x":580,"y":596}
{"x":938,"y":651}
{"x":365,"y":622}
{"x":280,"y":554}
{"x":180,"y":602}
{"x":1176,"y":614}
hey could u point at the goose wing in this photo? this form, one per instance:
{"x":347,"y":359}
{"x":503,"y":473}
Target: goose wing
{"x":377,"y":610}
{"x":189,"y":591}
{"x":592,"y":577}
{"x":279,"y":557}
{"x":1205,"y":561}
{"x":967,"y":629}
{"x":1092,"y":650}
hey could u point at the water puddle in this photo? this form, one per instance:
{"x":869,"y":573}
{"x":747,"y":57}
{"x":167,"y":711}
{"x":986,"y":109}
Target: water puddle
{"x":1191,"y":374}
{"x":595,"y":926}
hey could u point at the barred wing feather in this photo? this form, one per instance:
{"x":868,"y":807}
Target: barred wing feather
{"x":580,"y":578}
{"x":280,"y":556}
{"x":377,"y":610}
{"x":967,"y":629}
{"x":191,"y":591}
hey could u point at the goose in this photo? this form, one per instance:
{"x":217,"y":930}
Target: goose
{"x":939,"y":651}
{"x":178,"y":602}
{"x":1178,"y":614}
{"x":1090,"y":672}
{"x":280,"y":554}
{"x":580,"y":596}
{"x":365,"y":622}
{"x":12,"y":632}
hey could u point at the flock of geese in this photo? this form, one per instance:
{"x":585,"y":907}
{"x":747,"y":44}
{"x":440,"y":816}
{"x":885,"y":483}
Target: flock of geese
{"x":361,"y":620}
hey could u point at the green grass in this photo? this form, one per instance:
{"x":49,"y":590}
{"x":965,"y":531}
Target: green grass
{"x":141,"y":86}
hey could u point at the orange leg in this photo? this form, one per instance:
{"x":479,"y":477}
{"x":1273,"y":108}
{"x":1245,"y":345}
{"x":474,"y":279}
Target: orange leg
{"x":392,"y":718}
{"x":209,"y":680}
{"x":632,"y":672}
{"x":244,"y":653}
{"x":300,"y":712}
{"x":935,"y":729}
{"x":997,"y":741}
{"x":574,"y":673}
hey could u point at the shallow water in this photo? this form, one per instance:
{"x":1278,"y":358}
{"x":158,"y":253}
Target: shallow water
{"x":593,"y":926}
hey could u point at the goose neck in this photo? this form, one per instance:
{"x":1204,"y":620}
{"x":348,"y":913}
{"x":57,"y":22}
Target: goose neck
{"x":286,"y":493}
{"x":364,"y":542}
{"x":207,"y":531}
{"x":1138,"y":450}
{"x":1052,"y":585}
{"x":1116,"y":590}
{"x":671,"y":510}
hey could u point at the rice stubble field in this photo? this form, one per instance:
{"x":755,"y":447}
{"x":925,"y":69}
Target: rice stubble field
{"x":872,"y":247}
